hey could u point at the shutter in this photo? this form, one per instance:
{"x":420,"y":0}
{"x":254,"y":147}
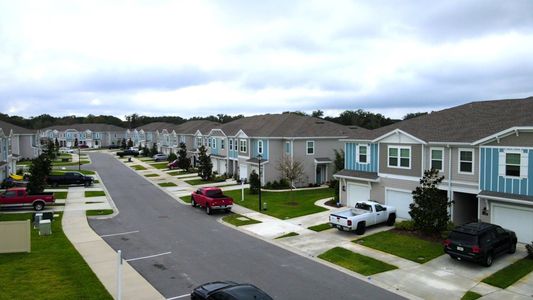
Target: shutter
{"x":524,"y":157}
{"x":501,"y":163}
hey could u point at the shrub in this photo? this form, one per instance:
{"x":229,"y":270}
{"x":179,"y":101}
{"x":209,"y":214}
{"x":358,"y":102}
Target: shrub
{"x":275,"y":185}
{"x":172,"y":157}
{"x":284,"y":183}
{"x":254,"y":183}
{"x":407,"y":225}
{"x":529,"y":248}
{"x":268,"y":185}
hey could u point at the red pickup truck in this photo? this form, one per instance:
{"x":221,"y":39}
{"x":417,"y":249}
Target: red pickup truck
{"x":18,"y":197}
{"x":211,"y":198}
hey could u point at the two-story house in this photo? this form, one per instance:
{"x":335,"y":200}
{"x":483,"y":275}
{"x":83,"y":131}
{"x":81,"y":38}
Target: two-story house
{"x":481,"y":149}
{"x":24,"y":143}
{"x":5,"y":155}
{"x":92,"y":135}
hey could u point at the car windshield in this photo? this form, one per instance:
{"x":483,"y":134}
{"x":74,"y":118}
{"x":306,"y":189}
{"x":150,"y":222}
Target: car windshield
{"x":463,"y":238}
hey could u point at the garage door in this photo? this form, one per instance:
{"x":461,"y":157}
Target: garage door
{"x":520,"y":220}
{"x":243,"y":171}
{"x":400,"y":200}
{"x":357,"y":192}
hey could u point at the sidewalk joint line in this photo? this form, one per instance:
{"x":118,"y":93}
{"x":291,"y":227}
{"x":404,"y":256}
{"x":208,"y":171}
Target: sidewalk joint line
{"x":120,"y":233}
{"x":178,"y":297}
{"x":149,"y":256}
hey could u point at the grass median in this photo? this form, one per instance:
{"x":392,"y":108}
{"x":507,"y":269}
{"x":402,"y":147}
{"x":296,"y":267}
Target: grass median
{"x":98,"y":212}
{"x":320,"y":227}
{"x":94,"y":194}
{"x":510,"y":274}
{"x":239,"y":220}
{"x":356,"y":262}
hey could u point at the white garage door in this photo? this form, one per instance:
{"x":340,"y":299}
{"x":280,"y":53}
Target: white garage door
{"x":357,"y":192}
{"x":520,"y":220}
{"x":243,"y":171}
{"x":400,"y":200}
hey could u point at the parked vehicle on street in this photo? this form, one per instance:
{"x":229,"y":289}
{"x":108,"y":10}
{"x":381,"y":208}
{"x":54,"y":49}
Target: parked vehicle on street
{"x":18,"y":197}
{"x":173,"y":164}
{"x":66,"y":150}
{"x":479,"y":242}
{"x":113,"y":146}
{"x":228,"y":290}
{"x":160,"y":157}
{"x":69,"y":178}
{"x":211,"y":198}
{"x":365,"y":213}
{"x":128,"y":152}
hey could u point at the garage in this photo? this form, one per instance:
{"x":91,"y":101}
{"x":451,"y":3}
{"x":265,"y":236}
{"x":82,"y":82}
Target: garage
{"x":518,"y":219}
{"x":400,"y":200}
{"x":357,"y":192}
{"x":243,"y":171}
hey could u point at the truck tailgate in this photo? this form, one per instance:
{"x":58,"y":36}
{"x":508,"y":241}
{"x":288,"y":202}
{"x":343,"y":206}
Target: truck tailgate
{"x":339,"y":220}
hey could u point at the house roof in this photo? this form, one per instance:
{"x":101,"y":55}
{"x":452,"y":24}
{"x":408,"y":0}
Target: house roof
{"x":463,"y":124}
{"x":370,"y":176}
{"x":99,"y":127}
{"x":490,"y":194}
{"x":287,"y":125}
{"x":157,"y":126}
{"x":7,"y":127}
{"x":190,"y":127}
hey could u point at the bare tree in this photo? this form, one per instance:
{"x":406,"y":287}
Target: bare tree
{"x":290,"y":170}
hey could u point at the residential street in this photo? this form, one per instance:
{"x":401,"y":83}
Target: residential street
{"x":202,"y":250}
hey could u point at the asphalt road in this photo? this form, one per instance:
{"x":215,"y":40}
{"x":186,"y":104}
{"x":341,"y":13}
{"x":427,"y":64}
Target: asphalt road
{"x":204,"y":250}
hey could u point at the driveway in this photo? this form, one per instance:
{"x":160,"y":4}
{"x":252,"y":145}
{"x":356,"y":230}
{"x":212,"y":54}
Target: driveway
{"x":176,"y":247}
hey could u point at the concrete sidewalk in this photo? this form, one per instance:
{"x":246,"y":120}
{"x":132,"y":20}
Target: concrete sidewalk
{"x":100,"y":257}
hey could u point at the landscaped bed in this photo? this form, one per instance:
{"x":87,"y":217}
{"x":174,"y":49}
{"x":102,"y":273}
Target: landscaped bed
{"x":53,"y":270}
{"x":239,"y":220}
{"x":284,"y":205}
{"x":510,"y":274}
{"x":320,"y":227}
{"x":94,"y":193}
{"x":403,"y":244}
{"x":356,"y":262}
{"x":176,"y":173}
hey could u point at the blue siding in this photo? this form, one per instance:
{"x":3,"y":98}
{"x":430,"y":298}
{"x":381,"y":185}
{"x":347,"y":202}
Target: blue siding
{"x":214,"y":150}
{"x":253,"y":144}
{"x":490,"y":179}
{"x":351,"y":161}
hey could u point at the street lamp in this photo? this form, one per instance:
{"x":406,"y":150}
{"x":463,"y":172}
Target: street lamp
{"x":259,"y":157}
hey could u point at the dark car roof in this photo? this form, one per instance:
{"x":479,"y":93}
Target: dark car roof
{"x":474,"y":228}
{"x":207,"y":288}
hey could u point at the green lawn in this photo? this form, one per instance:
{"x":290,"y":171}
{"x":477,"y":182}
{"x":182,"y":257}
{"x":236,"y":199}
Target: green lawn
{"x":138,"y":167}
{"x":404,"y":245}
{"x":200,"y":181}
{"x":167,"y":184}
{"x":146,"y":159}
{"x":292,"y":233}
{"x":60,"y":195}
{"x":24,"y":163}
{"x":510,"y":274}
{"x":53,"y":269}
{"x":82,"y":162}
{"x":61,"y":172}
{"x":234,"y":220}
{"x":471,"y":296}
{"x":186,"y":199}
{"x":356,"y":262}
{"x":98,"y":212}
{"x":175,"y":173}
{"x":284,"y":205}
{"x":159,"y":165}
{"x":320,"y":227}
{"x":94,"y":193}
{"x":151,"y":175}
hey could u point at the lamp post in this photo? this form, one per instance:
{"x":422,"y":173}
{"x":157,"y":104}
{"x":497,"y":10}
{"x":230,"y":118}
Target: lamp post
{"x":259,"y":157}
{"x":79,"y":158}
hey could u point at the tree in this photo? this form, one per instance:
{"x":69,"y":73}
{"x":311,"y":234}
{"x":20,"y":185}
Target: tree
{"x":429,"y":209}
{"x":361,"y":118}
{"x":414,"y":115}
{"x":317,"y":113}
{"x":172,"y":157}
{"x":146,"y":151}
{"x":254,"y":182}
{"x":50,"y":150}
{"x":290,"y":170}
{"x":339,"y":160}
{"x":183,"y":161}
{"x":56,"y":144}
{"x":123,"y":144}
{"x":130,"y":143}
{"x":39,"y":169}
{"x":205,"y":166}
{"x":76,"y":143}
{"x":153,"y":150}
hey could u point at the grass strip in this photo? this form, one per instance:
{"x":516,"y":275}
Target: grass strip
{"x":94,"y":193}
{"x":320,"y":227}
{"x":167,"y":184}
{"x":60,"y":195}
{"x":138,"y":167}
{"x":98,"y":212}
{"x":151,"y":175}
{"x":510,"y":274}
{"x":239,"y":220}
{"x":470,"y":296}
{"x":356,"y":262}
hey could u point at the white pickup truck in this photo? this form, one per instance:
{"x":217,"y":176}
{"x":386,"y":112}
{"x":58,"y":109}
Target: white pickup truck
{"x":365,"y":213}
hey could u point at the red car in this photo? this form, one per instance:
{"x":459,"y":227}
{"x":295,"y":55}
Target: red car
{"x":173,"y":164}
{"x":211,"y":198}
{"x":18,"y":197}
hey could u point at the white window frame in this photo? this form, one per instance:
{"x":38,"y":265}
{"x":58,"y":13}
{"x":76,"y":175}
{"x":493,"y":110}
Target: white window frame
{"x":307,"y":147}
{"x":230,"y":144}
{"x":358,"y":156}
{"x":520,"y":175}
{"x":209,"y":141}
{"x":214,"y":143}
{"x":243,"y":145}
{"x":287,"y":147}
{"x":399,"y":148}
{"x":431,"y":157}
{"x":260,"y":147}
{"x":459,"y":160}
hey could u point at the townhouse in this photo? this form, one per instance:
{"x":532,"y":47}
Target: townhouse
{"x":15,"y":143}
{"x":92,"y":135}
{"x":237,"y":146}
{"x":481,"y":148}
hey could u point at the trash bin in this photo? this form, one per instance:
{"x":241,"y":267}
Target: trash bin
{"x":45,"y":227}
{"x":48,"y":216}
{"x":37,"y":217}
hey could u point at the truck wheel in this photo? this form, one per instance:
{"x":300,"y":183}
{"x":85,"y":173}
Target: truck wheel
{"x":361,"y":228}
{"x":228,"y":210}
{"x":391,"y":220}
{"x":193,"y":203}
{"x":38,"y":206}
{"x":512,"y":249}
{"x":208,"y":209}
{"x":487,"y":262}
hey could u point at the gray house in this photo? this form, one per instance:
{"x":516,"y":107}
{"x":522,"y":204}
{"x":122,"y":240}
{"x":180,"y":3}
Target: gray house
{"x":92,"y":135}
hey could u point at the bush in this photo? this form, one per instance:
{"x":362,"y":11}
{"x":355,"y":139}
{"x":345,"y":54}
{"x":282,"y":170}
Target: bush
{"x":284,"y":183}
{"x":268,"y":185}
{"x":407,"y":225}
{"x":254,"y":183}
{"x":529,"y":248}
{"x":172,"y":157}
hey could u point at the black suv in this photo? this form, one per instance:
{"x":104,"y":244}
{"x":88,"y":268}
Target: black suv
{"x":228,"y":290}
{"x":479,"y":242}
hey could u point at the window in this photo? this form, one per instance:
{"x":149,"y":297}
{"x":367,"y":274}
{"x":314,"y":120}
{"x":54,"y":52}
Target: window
{"x":310,"y":147}
{"x":230,"y":144}
{"x":288,"y":147}
{"x":222,"y":144}
{"x":209,"y":142}
{"x":260,"y":147}
{"x":214,"y":143}
{"x":436,"y":159}
{"x":362,"y":157}
{"x":512,"y":164}
{"x":243,"y":145}
{"x":466,"y":159}
{"x":399,"y":157}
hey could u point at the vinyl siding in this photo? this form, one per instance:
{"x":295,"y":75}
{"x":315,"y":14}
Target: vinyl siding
{"x":492,"y":180}
{"x":351,"y":152}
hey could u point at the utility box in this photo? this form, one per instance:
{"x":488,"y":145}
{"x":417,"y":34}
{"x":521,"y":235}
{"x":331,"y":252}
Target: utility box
{"x":45,"y":227}
{"x":37,"y":217}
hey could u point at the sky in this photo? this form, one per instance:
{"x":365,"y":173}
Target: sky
{"x":199,"y":58}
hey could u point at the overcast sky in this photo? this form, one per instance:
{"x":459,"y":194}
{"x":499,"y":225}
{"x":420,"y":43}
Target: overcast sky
{"x":195,"y":58}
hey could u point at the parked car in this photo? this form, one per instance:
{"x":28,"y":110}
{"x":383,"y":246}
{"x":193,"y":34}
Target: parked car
{"x":69,"y":178}
{"x":160,"y":157}
{"x":365,"y":213}
{"x":113,"y":147}
{"x":18,"y":197}
{"x":66,"y":150}
{"x":228,"y":290}
{"x":479,"y":242}
{"x":211,"y":198}
{"x":173,"y":164}
{"x":128,"y":152}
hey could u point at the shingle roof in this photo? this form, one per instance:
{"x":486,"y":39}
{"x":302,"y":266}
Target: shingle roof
{"x":7,"y":127}
{"x":287,"y":125}
{"x":157,"y":126}
{"x":357,"y":174}
{"x":190,"y":127}
{"x":465,"y":123}
{"x":100,"y":127}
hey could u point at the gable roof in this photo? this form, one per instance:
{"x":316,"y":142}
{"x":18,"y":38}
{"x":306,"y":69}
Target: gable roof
{"x":99,"y":127}
{"x":464,"y":123}
{"x":7,"y":127}
{"x":157,"y":126}
{"x":190,"y":127}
